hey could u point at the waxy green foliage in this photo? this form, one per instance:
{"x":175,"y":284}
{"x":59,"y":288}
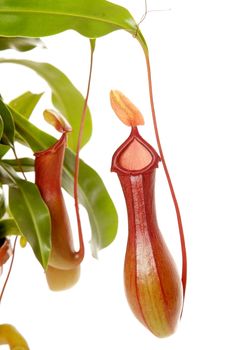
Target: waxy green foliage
{"x":8,"y":227}
{"x":26,"y":103}
{"x":65,"y":97}
{"x":2,"y":205}
{"x":93,"y":194}
{"x":21,"y":164}
{"x":20,"y":44}
{"x":32,"y":217}
{"x":29,"y":211}
{"x":91,"y":18}
{"x":1,"y":127}
{"x":8,"y":128}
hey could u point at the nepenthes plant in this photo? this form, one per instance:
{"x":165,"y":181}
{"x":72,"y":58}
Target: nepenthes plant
{"x":36,"y":211}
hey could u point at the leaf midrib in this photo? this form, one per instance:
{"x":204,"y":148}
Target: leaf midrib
{"x":43,"y":12}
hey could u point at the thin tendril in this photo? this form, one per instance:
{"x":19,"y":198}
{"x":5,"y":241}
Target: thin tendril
{"x":175,"y":202}
{"x":142,"y":19}
{"x":146,"y":12}
{"x":178,"y":215}
{"x":76,"y":173}
{"x":144,"y":15}
{"x":160,"y":10}
{"x":9,"y":271}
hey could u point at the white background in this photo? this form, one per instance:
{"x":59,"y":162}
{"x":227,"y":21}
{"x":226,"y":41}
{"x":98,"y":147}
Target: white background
{"x":191,"y":55}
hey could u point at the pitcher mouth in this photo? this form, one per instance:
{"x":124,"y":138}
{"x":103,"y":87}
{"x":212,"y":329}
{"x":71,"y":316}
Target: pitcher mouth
{"x":54,"y":148}
{"x":147,"y":162}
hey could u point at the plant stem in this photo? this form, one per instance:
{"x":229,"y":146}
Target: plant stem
{"x":9,"y":271}
{"x":14,"y":246}
{"x":76,"y":173}
{"x":177,"y":210}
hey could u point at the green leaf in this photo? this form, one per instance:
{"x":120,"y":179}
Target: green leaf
{"x":91,"y":18}
{"x":32,"y":217}
{"x":93,"y":194}
{"x":95,"y":198}
{"x":1,"y":127}
{"x":26,"y":103}
{"x":9,"y":128}
{"x":33,"y":137}
{"x":25,"y":164}
{"x":3,"y":150}
{"x":20,"y":44}
{"x":30,"y":213}
{"x":65,"y":97}
{"x":8,"y":227}
{"x":5,"y":179}
{"x":2,"y":203}
{"x":101,"y":211}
